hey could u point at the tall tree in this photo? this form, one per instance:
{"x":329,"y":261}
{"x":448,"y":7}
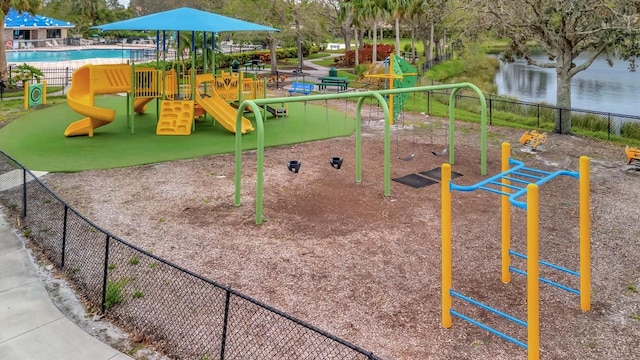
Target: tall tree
{"x":31,"y":6}
{"x":398,"y":8}
{"x":374,"y":10}
{"x":565,"y":29}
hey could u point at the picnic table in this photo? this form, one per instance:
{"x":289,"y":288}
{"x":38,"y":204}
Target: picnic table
{"x":341,"y":83}
{"x":254,"y":64}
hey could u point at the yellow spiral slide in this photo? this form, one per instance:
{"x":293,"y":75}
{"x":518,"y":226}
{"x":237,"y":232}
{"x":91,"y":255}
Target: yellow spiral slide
{"x":90,"y":80}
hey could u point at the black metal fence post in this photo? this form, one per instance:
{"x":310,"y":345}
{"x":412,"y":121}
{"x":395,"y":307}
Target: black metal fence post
{"x":225,"y":322}
{"x":24,"y":193}
{"x":66,"y":79}
{"x":609,"y":126}
{"x":64,"y":235}
{"x":490,"y":111}
{"x":104,"y":274}
{"x":538,"y":116}
{"x":560,"y":120}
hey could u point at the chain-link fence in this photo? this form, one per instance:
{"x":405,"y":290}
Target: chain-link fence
{"x":186,"y":315}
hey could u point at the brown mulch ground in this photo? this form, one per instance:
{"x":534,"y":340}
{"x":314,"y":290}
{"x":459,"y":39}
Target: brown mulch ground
{"x":365,"y":267}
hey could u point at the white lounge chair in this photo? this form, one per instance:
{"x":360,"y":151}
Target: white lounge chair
{"x":29,"y":45}
{"x":48,"y":44}
{"x":55,"y":43}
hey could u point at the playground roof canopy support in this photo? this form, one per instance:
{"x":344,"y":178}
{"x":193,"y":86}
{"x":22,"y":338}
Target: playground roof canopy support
{"x":184,"y":19}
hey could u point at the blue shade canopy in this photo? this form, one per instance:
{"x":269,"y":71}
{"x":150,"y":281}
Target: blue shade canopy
{"x":15,"y":20}
{"x":184,"y":19}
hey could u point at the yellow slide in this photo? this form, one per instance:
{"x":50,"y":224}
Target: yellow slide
{"x":90,"y":80}
{"x":224,"y":113}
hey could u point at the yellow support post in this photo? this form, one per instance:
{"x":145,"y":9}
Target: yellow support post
{"x":446,"y":244}
{"x":585,"y":236}
{"x":506,"y":217}
{"x":533,"y":273}
{"x":44,"y":92}
{"x":26,"y":95}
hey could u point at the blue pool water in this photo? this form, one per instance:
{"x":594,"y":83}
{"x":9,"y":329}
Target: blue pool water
{"x":65,"y":55}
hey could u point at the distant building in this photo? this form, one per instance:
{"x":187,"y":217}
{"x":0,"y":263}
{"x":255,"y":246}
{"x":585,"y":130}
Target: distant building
{"x":335,"y":46}
{"x":26,"y":31}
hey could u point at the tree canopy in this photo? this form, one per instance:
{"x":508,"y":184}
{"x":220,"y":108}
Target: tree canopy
{"x":564,"y":30}
{"x":31,"y":6}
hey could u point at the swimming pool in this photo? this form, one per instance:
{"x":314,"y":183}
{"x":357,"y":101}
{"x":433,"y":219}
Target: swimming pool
{"x":66,"y":55}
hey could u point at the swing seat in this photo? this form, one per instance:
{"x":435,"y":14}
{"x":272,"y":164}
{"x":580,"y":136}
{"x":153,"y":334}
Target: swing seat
{"x":336,"y":162}
{"x":294,"y":166}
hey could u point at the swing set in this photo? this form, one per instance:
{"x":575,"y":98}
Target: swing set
{"x":254,"y":106}
{"x":335,"y":161}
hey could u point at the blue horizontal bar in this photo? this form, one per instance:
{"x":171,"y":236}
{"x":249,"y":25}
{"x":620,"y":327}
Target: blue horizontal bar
{"x":498,"y":183}
{"x":493,"y":190}
{"x":521,"y":181}
{"x":536,"y":170}
{"x":546,"y":179}
{"x":548,"y":264}
{"x":547,"y":281}
{"x":488,"y":328}
{"x":518,"y":164}
{"x":528,"y":175}
{"x":488,"y":308}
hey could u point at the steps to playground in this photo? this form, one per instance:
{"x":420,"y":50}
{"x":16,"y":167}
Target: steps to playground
{"x":176,"y":117}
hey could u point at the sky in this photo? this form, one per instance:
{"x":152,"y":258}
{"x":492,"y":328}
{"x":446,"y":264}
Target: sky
{"x":124,"y":2}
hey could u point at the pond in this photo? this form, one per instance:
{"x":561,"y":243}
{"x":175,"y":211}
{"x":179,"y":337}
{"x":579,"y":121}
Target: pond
{"x":599,"y":88}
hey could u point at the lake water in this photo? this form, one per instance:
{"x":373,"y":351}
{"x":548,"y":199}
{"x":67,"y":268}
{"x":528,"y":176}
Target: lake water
{"x":600,"y":87}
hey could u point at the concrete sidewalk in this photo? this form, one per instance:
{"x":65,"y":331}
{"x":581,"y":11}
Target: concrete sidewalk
{"x":31,"y":326}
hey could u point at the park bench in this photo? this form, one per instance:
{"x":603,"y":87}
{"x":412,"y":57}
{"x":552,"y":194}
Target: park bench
{"x":341,"y":83}
{"x":300,"y":88}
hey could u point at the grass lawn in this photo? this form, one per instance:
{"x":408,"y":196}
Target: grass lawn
{"x":37,"y":139}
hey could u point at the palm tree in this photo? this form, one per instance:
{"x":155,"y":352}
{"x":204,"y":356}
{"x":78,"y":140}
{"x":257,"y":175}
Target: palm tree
{"x":374,"y":10}
{"x":356,"y":11}
{"x":398,"y":8}
{"x":31,"y":6}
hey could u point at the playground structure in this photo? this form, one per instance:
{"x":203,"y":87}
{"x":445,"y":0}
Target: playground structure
{"x":177,"y":92}
{"x":378,"y":95}
{"x":633,"y":154}
{"x":533,"y":139}
{"x":397,"y":74}
{"x":35,"y":94}
{"x":178,"y":106}
{"x":528,"y":181}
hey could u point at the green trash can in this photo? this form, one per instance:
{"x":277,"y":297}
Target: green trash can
{"x":235,"y":66}
{"x":333,"y":72}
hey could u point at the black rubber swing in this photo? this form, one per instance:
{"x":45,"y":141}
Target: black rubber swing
{"x":294,"y":166}
{"x":336,"y":162}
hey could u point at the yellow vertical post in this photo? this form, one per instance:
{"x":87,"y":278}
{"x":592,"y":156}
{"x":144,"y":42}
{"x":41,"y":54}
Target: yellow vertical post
{"x":26,"y":95}
{"x":446,"y":244}
{"x":533,"y":285}
{"x":506,"y":217}
{"x":44,"y":92}
{"x":585,"y":236}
